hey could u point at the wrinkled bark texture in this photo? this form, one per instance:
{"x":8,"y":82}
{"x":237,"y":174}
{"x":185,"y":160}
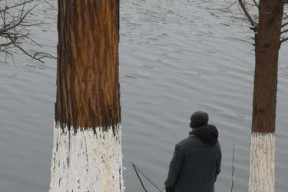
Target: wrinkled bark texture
{"x":87,"y":77}
{"x":267,"y":45}
{"x":267,"y":42}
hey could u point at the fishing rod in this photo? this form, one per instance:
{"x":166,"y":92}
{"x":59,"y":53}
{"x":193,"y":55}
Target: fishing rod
{"x":136,"y":169}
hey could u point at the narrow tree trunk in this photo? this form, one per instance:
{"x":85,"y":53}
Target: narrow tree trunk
{"x":267,"y":42}
{"x":87,"y":135}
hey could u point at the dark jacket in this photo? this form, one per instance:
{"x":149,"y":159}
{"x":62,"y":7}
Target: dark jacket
{"x":196,"y":162}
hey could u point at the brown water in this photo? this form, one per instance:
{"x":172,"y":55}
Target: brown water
{"x":175,"y":57}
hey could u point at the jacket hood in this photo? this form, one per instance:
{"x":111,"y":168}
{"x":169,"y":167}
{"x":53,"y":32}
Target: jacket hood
{"x":207,"y":133}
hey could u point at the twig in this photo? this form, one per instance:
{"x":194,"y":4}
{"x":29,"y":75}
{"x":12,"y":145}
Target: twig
{"x":21,"y":19}
{"x":139,"y":177}
{"x":231,"y":5}
{"x":13,"y":30}
{"x":32,"y":56}
{"x":14,"y":6}
{"x":49,"y":4}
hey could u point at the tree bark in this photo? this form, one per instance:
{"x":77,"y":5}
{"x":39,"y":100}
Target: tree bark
{"x":88,"y":77}
{"x":86,"y":152}
{"x":262,"y":162}
{"x":267,"y":45}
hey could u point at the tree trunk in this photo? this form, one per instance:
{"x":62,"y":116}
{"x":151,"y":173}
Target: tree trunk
{"x":87,"y":136}
{"x":267,"y":44}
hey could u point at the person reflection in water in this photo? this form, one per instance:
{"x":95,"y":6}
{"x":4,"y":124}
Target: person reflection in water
{"x":197,"y":159}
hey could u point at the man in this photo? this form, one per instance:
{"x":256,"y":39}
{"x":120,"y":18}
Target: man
{"x":197,"y":159}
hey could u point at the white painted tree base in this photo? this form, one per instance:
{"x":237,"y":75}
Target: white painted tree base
{"x":86,"y":161}
{"x":262,"y":163}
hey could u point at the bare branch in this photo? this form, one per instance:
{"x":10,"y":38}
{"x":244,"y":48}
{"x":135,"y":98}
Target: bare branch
{"x":21,"y":19}
{"x":23,"y":50}
{"x":284,"y":25}
{"x":283,"y":40}
{"x":256,"y":4}
{"x":5,"y":45}
{"x":247,"y":14}
{"x":13,"y":30}
{"x":231,"y":5}
{"x":14,"y":6}
{"x":30,"y":24}
{"x":52,"y":6}
{"x":284,"y":31}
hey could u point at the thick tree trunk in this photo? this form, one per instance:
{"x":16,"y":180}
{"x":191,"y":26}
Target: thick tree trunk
{"x":262,"y":162}
{"x":267,"y":42}
{"x":88,"y":82}
{"x":87,"y":135}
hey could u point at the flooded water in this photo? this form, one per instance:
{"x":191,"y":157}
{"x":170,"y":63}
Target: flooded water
{"x":176,"y":56}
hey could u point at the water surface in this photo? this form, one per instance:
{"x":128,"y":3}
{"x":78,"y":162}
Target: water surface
{"x":175,"y":57}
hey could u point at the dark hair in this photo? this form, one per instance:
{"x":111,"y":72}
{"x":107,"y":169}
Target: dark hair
{"x":199,"y":119}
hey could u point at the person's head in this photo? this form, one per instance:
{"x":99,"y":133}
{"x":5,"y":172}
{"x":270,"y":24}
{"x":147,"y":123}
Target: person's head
{"x":198,"y":119}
